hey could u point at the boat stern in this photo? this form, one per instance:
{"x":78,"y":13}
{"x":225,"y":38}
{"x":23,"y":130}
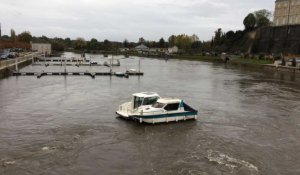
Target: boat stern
{"x":124,"y":110}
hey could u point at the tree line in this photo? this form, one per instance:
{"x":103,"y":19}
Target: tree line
{"x":221,"y":41}
{"x":183,"y":42}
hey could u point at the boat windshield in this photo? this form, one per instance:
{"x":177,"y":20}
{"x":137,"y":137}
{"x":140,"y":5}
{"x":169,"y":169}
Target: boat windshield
{"x":137,"y":102}
{"x":150,"y":100}
{"x":158,"y":105}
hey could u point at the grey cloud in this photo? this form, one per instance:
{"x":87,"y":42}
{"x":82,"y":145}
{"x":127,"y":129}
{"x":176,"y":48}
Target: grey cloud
{"x":131,"y":19}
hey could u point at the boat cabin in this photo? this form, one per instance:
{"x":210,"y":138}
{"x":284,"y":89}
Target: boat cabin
{"x":144,"y":98}
{"x":169,"y":104}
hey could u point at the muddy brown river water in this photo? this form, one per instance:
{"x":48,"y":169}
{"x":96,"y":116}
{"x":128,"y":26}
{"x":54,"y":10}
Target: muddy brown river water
{"x":249,"y":122}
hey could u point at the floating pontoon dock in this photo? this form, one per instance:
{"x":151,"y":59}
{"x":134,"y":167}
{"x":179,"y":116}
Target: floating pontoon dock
{"x":91,"y":74}
{"x":73,"y":64}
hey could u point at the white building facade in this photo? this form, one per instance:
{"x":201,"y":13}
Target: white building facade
{"x":41,"y":48}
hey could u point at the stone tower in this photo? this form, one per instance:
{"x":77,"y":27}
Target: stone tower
{"x":287,"y":12}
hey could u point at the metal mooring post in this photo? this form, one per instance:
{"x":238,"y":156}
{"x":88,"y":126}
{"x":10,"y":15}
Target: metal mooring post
{"x":32,"y":58}
{"x":61,"y":60}
{"x":111,"y":64}
{"x":139,"y":65}
{"x":65,"y":65}
{"x":44,"y":59}
{"x":17,"y":67}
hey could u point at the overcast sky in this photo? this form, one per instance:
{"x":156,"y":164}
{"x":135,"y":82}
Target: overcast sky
{"x":119,"y":19}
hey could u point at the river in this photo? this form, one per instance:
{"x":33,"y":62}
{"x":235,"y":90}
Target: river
{"x":248,"y":123}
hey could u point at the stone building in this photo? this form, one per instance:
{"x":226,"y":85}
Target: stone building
{"x":287,"y":12}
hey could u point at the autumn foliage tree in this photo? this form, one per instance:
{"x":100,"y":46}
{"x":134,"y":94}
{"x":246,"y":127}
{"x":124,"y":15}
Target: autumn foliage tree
{"x":79,"y":43}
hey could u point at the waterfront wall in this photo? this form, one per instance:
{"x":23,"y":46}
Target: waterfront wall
{"x":277,"y":40}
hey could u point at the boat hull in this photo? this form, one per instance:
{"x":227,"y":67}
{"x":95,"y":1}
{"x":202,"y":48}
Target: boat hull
{"x":162,"y":118}
{"x":122,"y":114}
{"x":167,"y":119}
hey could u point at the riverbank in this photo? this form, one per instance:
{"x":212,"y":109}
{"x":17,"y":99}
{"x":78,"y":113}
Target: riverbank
{"x":233,"y":60}
{"x":258,"y":64}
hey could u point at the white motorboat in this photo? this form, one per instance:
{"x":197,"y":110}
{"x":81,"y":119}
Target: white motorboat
{"x":149,"y":107}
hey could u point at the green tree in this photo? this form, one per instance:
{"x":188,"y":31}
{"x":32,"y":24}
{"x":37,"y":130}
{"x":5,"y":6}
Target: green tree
{"x":162,"y":43}
{"x":229,"y":35}
{"x":217,"y":38}
{"x":68,"y":42}
{"x":5,"y":37}
{"x":25,"y":37}
{"x":212,"y":43}
{"x":93,"y":44}
{"x":142,"y":40}
{"x":107,"y":45}
{"x":249,"y":22}
{"x":196,"y":45}
{"x":125,"y":43}
{"x":79,"y":43}
{"x":262,"y":18}
{"x":13,"y":35}
{"x":171,"y":40}
{"x":57,"y":45}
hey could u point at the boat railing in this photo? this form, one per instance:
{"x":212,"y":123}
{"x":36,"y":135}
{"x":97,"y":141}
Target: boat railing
{"x":126,"y":107}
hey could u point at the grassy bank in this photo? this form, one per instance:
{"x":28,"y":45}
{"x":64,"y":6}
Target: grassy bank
{"x":248,"y":61}
{"x":233,"y":61}
{"x":198,"y":58}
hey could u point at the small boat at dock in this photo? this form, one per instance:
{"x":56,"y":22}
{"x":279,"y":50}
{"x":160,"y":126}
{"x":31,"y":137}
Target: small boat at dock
{"x":121,"y":74}
{"x":149,"y":107}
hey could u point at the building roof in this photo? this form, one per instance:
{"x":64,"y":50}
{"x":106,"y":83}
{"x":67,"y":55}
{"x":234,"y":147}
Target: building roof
{"x":141,"y":47}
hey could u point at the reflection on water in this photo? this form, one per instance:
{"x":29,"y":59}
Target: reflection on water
{"x":248,"y":123}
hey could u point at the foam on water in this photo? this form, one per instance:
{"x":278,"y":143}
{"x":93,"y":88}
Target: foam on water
{"x":223,"y":159}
